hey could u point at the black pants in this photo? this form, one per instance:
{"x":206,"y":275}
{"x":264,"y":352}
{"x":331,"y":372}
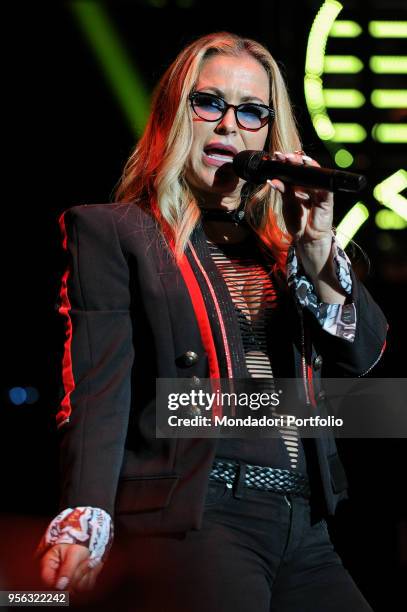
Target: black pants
{"x":260,"y":552}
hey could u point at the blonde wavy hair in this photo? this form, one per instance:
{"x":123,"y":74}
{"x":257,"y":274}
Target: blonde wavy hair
{"x":153,"y":176}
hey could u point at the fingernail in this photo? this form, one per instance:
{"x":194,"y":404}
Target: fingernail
{"x":62,"y":583}
{"x":271,"y":184}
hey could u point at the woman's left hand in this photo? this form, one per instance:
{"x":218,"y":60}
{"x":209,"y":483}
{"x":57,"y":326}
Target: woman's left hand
{"x":308,"y":215}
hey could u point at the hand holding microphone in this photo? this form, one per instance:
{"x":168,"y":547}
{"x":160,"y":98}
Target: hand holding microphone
{"x":307,"y":209}
{"x":307,"y":200}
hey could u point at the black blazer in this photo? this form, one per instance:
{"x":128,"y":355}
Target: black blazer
{"x":131,"y":316}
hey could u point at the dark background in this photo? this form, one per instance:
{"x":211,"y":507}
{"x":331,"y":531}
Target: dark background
{"x":66,"y":141}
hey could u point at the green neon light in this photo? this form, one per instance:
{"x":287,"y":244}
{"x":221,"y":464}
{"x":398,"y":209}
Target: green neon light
{"x":325,"y":18}
{"x":390,"y":132}
{"x":319,"y":100}
{"x":345,"y":29}
{"x":398,"y":204}
{"x":343,"y":98}
{"x":389,"y":98}
{"x":314,"y":93}
{"x":343,"y":64}
{"x":343,"y":158}
{"x":392,"y":184}
{"x":115,"y":63}
{"x":388,"y":64}
{"x":314,"y":67}
{"x":388,"y":193}
{"x":351,"y":223}
{"x":389,"y":220}
{"x":349,"y":132}
{"x":324,"y":127}
{"x":388,"y":29}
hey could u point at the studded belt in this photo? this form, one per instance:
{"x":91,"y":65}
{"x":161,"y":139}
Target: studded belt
{"x":261,"y":477}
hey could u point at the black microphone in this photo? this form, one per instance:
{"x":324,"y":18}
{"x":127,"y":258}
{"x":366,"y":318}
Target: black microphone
{"x":258,"y":167}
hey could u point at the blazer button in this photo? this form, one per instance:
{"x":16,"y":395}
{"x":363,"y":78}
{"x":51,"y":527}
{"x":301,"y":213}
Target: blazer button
{"x":189,"y":358}
{"x":321,"y":396}
{"x":318,"y":361}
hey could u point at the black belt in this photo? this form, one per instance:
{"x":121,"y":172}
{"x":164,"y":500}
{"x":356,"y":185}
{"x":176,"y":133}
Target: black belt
{"x":261,"y":477}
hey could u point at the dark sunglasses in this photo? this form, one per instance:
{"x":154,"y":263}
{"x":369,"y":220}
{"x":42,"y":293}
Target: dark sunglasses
{"x":249,"y":116}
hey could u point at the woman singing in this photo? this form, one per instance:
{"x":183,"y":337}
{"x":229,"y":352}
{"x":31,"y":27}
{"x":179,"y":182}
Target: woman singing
{"x":194,"y":273}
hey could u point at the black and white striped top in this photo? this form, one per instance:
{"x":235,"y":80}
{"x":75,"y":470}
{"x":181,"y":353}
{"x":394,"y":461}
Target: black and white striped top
{"x":247,"y":275}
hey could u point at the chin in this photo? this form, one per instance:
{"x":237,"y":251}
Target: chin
{"x":224,"y":178}
{"x":220,"y":181}
{"x":220,"y":188}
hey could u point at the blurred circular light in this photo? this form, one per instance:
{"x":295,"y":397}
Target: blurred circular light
{"x":343,"y":158}
{"x":388,"y":219}
{"x":17,"y":395}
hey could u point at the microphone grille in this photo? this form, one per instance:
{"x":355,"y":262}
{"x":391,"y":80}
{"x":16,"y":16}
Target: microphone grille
{"x":246,"y":163}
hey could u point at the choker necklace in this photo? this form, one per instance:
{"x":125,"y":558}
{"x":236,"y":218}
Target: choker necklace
{"x":235,"y":216}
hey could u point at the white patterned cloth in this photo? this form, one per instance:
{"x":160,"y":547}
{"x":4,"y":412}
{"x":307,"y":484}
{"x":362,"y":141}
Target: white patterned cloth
{"x":90,"y":527}
{"x":337,"y":319}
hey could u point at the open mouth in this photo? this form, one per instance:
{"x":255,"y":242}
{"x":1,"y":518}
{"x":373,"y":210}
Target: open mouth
{"x":219,"y":154}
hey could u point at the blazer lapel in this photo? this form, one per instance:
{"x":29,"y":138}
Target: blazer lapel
{"x":219,"y":306}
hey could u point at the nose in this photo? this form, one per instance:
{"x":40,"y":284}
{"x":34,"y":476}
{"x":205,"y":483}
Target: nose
{"x":228,"y":122}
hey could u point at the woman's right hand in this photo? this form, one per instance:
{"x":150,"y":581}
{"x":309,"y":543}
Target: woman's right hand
{"x":65,"y":567}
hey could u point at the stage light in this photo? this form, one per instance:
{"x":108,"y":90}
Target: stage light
{"x":324,"y":91}
{"x":313,"y":93}
{"x":349,"y":132}
{"x":388,"y":193}
{"x":343,"y":98}
{"x":390,"y":132}
{"x":388,"y":219}
{"x":389,"y":98}
{"x":388,"y":64}
{"x":314,"y":63}
{"x":17,"y":395}
{"x":345,"y":29}
{"x":351,"y":223}
{"x":115,"y":62}
{"x":319,"y":99}
{"x":388,"y":29}
{"x":344,"y":64}
{"x":323,"y":126}
{"x":343,"y":158}
{"x":314,"y":67}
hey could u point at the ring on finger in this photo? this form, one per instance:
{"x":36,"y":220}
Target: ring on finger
{"x":304,"y":157}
